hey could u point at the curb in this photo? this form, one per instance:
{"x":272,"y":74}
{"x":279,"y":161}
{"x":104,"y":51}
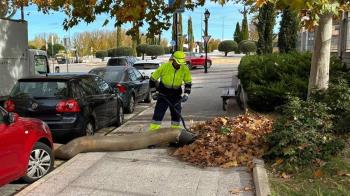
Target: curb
{"x":260,"y":178}
{"x":42,"y":180}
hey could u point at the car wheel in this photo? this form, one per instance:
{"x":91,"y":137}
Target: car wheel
{"x":89,"y":129}
{"x":149,"y":97}
{"x":40,"y":162}
{"x":131,"y":106}
{"x":120,"y":120}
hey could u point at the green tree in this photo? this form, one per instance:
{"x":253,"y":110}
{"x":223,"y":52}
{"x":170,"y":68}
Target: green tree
{"x":154,"y":50}
{"x":245,"y":31}
{"x":180,"y":34}
{"x":227,"y":46}
{"x":247,"y":46}
{"x":190,"y":35}
{"x":266,"y":17}
{"x":288,"y":34}
{"x":237,"y":35}
{"x":56,"y":48}
{"x":142,"y":48}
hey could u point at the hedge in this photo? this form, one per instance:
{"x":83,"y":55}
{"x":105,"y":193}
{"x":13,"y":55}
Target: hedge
{"x":268,"y":79}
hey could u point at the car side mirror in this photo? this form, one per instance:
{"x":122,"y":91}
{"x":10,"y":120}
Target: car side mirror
{"x":146,"y":77}
{"x":11,"y":118}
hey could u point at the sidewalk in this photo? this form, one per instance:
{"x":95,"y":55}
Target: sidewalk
{"x":142,"y":172}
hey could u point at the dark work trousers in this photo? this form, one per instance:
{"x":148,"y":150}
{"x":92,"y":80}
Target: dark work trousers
{"x":162,"y":106}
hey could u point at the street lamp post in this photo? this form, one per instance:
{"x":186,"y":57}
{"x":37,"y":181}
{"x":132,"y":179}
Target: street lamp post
{"x":206,"y":17}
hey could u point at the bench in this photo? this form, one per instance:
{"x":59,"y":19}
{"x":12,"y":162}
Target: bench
{"x":227,"y":93}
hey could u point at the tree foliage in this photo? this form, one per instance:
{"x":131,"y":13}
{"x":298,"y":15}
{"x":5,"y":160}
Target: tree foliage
{"x":265,"y":26}
{"x":154,"y":50}
{"x":227,"y":46}
{"x":237,"y":34}
{"x":244,"y":31}
{"x":288,"y":34}
{"x":55,"y":49}
{"x":142,"y":49}
{"x":190,"y":35}
{"x":247,"y":46}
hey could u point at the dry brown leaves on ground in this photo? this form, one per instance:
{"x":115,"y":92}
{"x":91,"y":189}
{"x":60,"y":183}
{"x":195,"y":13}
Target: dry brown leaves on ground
{"x":227,"y":142}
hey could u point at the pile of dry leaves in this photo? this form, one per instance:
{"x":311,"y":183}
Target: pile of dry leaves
{"x":227,"y":142}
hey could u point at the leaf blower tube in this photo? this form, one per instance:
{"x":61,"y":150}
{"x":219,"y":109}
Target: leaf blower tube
{"x":128,"y":142}
{"x":121,"y":143}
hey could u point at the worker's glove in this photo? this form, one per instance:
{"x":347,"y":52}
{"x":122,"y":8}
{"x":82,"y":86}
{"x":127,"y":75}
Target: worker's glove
{"x":184,"y":98}
{"x":155,"y":95}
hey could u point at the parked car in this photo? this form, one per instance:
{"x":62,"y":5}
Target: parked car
{"x":25,"y":148}
{"x":131,"y":84}
{"x":195,"y":60}
{"x":121,"y":61}
{"x":147,"y":67}
{"x":72,"y":105}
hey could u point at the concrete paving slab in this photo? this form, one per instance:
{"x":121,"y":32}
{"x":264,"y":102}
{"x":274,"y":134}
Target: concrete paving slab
{"x":141,"y":172}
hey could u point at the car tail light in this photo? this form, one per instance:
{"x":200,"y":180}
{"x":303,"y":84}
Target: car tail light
{"x":121,"y":88}
{"x":10,"y":106}
{"x":68,"y":106}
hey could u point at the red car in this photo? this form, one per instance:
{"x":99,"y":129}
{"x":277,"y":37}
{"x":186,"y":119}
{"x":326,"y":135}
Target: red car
{"x":25,"y":148}
{"x":195,"y":60}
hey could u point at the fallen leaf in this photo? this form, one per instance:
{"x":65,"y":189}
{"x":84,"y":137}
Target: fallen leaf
{"x":248,"y":189}
{"x":235,"y":191}
{"x":285,"y":176}
{"x":318,"y":173}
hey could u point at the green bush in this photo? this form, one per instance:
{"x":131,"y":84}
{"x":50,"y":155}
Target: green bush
{"x":268,"y":79}
{"x":247,"y":46}
{"x":227,"y":46}
{"x":111,"y":52}
{"x":303,"y":133}
{"x":122,"y":51}
{"x":154,"y":50}
{"x":101,"y":54}
{"x":142,"y":49}
{"x":167,"y":50}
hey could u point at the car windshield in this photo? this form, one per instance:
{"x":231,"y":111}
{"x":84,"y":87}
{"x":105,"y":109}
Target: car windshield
{"x":109,"y":76}
{"x":40,"y":89}
{"x":146,"y":65}
{"x":116,"y":62}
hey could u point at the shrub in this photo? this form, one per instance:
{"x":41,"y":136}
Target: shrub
{"x":142,"y":49}
{"x":247,"y":46}
{"x":268,"y":79}
{"x":227,"y":46}
{"x":122,"y":51}
{"x":101,"y":54}
{"x":154,"y":50}
{"x":110,"y":52}
{"x":303,"y":133}
{"x":167,"y":50}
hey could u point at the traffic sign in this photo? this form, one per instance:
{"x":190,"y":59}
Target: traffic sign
{"x":172,"y":43}
{"x":206,"y":38}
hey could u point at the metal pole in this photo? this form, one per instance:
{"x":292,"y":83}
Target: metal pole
{"x":176,"y":34}
{"x":206,"y":46}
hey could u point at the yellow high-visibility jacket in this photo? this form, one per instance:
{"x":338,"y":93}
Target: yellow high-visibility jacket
{"x":171,"y":79}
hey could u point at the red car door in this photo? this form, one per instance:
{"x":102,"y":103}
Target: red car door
{"x":11,"y":148}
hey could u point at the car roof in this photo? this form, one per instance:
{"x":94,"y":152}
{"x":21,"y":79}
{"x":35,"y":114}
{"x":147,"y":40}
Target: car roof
{"x":149,"y":61}
{"x":121,"y":57}
{"x":58,"y":76}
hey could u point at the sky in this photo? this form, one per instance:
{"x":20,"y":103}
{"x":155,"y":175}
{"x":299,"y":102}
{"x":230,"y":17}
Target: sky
{"x":221,"y":23}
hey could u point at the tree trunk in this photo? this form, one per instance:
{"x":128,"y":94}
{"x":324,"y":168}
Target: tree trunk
{"x":226,"y":53}
{"x":319,"y":74}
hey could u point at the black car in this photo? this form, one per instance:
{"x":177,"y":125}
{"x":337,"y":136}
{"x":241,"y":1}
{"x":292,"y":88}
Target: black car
{"x":132,"y":85}
{"x":121,"y":61}
{"x":72,"y":105}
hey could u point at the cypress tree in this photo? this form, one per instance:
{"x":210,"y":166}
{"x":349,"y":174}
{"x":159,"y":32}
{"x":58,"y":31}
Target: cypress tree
{"x":245,"y":31}
{"x":237,"y":35}
{"x":190,"y":35}
{"x":266,"y":17}
{"x":288,"y":34}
